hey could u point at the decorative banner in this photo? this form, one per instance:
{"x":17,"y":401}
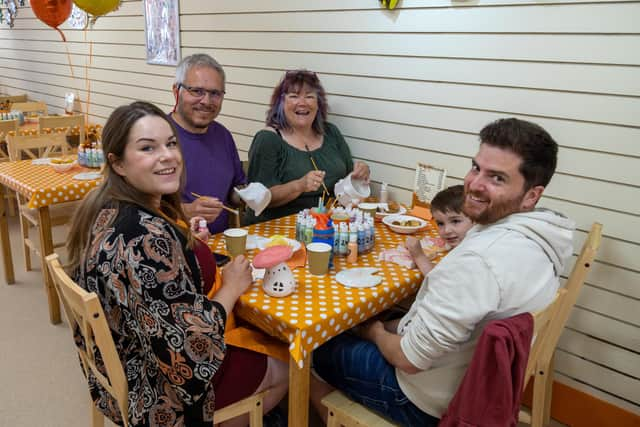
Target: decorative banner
{"x":52,"y":12}
{"x":9,"y":11}
{"x":162,"y":30}
{"x":97,"y":8}
{"x":78,"y":19}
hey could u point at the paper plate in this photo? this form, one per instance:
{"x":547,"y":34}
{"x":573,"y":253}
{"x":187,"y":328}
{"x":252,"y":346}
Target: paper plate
{"x":360,"y":277}
{"x":261,"y":243}
{"x":87,"y":176}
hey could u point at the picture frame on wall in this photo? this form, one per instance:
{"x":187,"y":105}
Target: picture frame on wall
{"x":162,"y":31}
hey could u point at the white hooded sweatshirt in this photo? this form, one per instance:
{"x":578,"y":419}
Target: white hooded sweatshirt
{"x":498,"y":271}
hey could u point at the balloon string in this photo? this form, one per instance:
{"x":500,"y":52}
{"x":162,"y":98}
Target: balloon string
{"x":64,"y":39}
{"x":66,"y":47}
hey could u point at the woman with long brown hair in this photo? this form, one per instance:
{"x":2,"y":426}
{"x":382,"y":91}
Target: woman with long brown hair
{"x":131,"y":245}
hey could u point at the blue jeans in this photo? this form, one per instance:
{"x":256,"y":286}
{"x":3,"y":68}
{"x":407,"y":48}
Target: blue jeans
{"x":357,"y":368}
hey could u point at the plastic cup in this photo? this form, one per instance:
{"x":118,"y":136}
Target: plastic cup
{"x":318,"y":255}
{"x":236,"y":241}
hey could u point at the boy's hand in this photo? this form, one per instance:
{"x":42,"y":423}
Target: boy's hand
{"x":413,"y":246}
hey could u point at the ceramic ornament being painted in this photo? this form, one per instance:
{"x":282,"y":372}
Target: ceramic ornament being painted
{"x":278,"y":279}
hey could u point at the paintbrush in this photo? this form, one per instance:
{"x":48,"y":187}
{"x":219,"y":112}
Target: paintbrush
{"x":227,"y":208}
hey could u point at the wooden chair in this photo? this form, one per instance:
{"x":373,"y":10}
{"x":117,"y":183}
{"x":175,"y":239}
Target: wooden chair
{"x":7,"y":100}
{"x":66,"y":122}
{"x":344,"y":412}
{"x":32,"y":147}
{"x":83,"y":311}
{"x":540,"y":365}
{"x":37,"y":107}
{"x":7,"y":126}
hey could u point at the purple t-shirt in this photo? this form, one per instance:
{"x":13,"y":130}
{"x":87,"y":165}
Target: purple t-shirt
{"x":213,"y":167}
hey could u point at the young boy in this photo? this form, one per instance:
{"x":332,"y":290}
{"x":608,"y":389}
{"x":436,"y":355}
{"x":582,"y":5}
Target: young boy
{"x":446,"y":208}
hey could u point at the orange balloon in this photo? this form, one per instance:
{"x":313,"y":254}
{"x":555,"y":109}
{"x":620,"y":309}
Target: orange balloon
{"x":52,"y":12}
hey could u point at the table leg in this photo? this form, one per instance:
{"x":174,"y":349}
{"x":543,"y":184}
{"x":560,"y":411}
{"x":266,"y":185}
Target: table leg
{"x":299,"y":392}
{"x":46,"y":248}
{"x":7,"y":258}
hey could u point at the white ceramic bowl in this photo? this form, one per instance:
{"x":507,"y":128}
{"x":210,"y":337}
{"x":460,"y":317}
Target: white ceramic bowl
{"x":62,"y":167}
{"x":381,"y":214}
{"x":403,"y":229}
{"x":348,"y":189}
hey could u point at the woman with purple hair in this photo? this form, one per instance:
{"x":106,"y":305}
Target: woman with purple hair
{"x":299,"y":150}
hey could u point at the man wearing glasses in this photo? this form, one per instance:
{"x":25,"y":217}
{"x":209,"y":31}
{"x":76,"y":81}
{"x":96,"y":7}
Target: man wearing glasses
{"x":210,"y":155}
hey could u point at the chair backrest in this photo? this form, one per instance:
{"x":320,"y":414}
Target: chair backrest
{"x":31,"y":107}
{"x":542,"y":323}
{"x":7,"y":126}
{"x":552,"y":331}
{"x":7,"y":100}
{"x":85,"y":314}
{"x":574,"y":284}
{"x":67,"y":122}
{"x":36,"y":146}
{"x":13,"y":98}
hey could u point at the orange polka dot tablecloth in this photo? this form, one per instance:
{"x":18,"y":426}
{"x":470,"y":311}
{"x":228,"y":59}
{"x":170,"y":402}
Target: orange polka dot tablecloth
{"x":321,"y":308}
{"x":42,"y":185}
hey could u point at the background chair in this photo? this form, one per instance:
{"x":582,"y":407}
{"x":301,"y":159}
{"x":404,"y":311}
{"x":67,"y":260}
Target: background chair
{"x":7,"y":126}
{"x":32,"y":147}
{"x":37,"y":107}
{"x":540,"y":365}
{"x":68,"y":122}
{"x":7,"y":100}
{"x":84,"y":312}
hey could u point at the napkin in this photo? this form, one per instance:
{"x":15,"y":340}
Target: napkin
{"x":256,"y":196}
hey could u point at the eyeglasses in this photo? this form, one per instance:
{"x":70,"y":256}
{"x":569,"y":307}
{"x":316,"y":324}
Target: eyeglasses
{"x":199,"y":92}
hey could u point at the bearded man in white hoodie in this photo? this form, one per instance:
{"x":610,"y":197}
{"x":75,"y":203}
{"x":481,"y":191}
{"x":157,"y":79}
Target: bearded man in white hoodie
{"x":509,"y":263}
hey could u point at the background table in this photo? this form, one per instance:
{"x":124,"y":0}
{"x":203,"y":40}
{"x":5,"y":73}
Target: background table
{"x":321,"y":308}
{"x":43,"y":187}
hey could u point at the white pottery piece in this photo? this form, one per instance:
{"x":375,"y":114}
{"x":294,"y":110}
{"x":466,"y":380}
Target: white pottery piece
{"x":279,"y":281}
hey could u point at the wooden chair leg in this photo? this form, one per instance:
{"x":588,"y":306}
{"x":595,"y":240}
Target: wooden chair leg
{"x":97,"y":418}
{"x":537,"y":403}
{"x":332,"y":419}
{"x":24,"y":225}
{"x":548,"y":391}
{"x":255,"y":415}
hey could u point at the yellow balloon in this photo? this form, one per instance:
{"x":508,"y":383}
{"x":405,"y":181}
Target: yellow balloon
{"x":97,"y":7}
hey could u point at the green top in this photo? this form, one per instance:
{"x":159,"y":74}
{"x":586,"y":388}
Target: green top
{"x":274,"y":162}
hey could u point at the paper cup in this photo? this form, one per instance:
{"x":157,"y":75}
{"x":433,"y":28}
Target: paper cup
{"x":369,"y":208}
{"x":236,"y":240}
{"x":318,"y":255}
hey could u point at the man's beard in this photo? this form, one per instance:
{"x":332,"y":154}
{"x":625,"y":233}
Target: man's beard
{"x":494,"y":211}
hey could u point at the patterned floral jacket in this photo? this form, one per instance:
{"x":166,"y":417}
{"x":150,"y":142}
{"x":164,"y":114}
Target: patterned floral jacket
{"x":168,"y":334}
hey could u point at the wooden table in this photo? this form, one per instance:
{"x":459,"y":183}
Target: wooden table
{"x":321,"y":308}
{"x":43,"y":187}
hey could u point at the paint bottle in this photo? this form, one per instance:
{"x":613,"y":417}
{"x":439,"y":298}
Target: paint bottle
{"x":384,"y":195}
{"x":352,"y":248}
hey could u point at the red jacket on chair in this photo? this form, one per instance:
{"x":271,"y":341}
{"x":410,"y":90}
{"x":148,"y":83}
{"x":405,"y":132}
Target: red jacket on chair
{"x":489,"y":394}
